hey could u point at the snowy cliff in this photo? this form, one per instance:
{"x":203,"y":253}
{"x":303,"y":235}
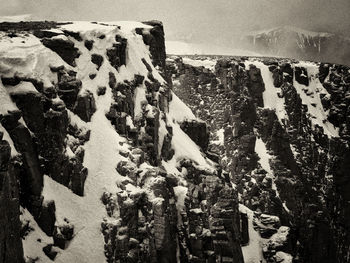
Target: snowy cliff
{"x":281,"y":129}
{"x":100,"y":160}
{"x":293,"y":42}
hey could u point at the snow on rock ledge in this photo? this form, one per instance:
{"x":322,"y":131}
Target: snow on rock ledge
{"x":100,"y":153}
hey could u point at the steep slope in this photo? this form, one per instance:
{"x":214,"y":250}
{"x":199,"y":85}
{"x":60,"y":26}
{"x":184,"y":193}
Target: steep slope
{"x":100,"y":160}
{"x":280,"y":129}
{"x":302,"y":44}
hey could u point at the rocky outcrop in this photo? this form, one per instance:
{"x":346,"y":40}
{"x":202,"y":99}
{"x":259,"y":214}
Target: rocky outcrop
{"x":198,"y":132}
{"x":117,"y":54}
{"x":10,"y":240}
{"x":64,"y":48}
{"x":154,"y":38}
{"x":211,"y":220}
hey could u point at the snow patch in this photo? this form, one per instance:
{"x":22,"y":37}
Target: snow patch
{"x":252,"y":253}
{"x":270,"y":95}
{"x":310,"y":96}
{"x":32,"y":248}
{"x":179,"y":111}
{"x":261,"y":150}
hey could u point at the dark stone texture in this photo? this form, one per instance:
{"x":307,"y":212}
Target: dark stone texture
{"x":198,"y":132}
{"x":304,"y":159}
{"x":68,"y":87}
{"x":11,"y":249}
{"x":101,"y":91}
{"x":97,"y":60}
{"x":117,"y":54}
{"x":23,"y":142}
{"x":44,"y":33}
{"x":155,"y":40}
{"x":301,"y":76}
{"x":64,"y":48}
{"x":89,"y":44}
{"x":244,"y":229}
{"x":85,"y":106}
{"x":47,"y":217}
{"x":75,"y":35}
{"x":49,"y":252}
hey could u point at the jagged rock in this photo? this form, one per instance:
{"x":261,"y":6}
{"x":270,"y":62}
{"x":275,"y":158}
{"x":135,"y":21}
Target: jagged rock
{"x":278,"y":242}
{"x":64,"y":48}
{"x":75,"y":35}
{"x":277,"y":78}
{"x":11,"y":249}
{"x":68,"y":87}
{"x":50,"y":252}
{"x":47,"y":218}
{"x":97,"y":60}
{"x":45,"y":34}
{"x":244,"y":229}
{"x":198,"y":132}
{"x":117,"y":54}
{"x":167,"y":152}
{"x":33,"y":180}
{"x":128,"y":169}
{"x":62,"y":235}
{"x":323,"y":72}
{"x":301,"y":76}
{"x":112,"y":80}
{"x":257,"y":86}
{"x":288,"y":72}
{"x":85,"y":106}
{"x":155,"y":40}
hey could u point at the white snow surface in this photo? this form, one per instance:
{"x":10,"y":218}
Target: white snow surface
{"x":264,"y":156}
{"x":207,"y":63}
{"x":31,"y":246}
{"x":310,"y":96}
{"x":270,"y":95}
{"x":179,"y":111}
{"x":283,"y":257}
{"x":221,"y":137}
{"x":25,"y":56}
{"x":252,"y":253}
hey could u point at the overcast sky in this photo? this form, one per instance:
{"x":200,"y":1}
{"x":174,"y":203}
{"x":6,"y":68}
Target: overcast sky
{"x":216,"y":21}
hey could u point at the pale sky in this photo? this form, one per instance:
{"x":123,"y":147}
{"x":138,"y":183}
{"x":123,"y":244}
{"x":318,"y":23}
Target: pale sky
{"x":216,"y":21}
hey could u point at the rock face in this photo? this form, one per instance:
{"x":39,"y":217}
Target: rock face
{"x":11,"y":245}
{"x":100,"y":161}
{"x":281,"y":130}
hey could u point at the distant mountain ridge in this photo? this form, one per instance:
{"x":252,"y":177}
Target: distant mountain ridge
{"x":299,"y":43}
